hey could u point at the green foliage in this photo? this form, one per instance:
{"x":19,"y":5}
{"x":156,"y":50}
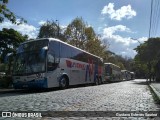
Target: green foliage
{"x":148,"y":55}
{"x":75,"y":33}
{"x":148,"y":51}
{"x":123,"y":63}
{"x":84,"y":37}
{"x":50,"y":29}
{"x":9,"y":41}
{"x":93,"y":43}
{"x":95,"y":47}
{"x":6,"y":13}
{"x":120,"y":64}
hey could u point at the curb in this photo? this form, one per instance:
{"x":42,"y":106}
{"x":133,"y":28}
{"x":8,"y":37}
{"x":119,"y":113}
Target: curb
{"x":156,"y":93}
{"x":3,"y":91}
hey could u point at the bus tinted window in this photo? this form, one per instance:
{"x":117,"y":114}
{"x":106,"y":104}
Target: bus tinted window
{"x":53,"y":55}
{"x":75,"y":54}
{"x":32,"y":46}
{"x":65,"y":51}
{"x":54,"y":48}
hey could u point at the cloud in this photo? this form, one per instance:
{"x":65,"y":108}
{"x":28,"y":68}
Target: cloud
{"x":24,"y":29}
{"x":108,"y":32}
{"x":142,"y":39}
{"x":27,"y":29}
{"x":111,"y":30}
{"x":121,"y":45}
{"x":41,"y":22}
{"x":124,"y":12}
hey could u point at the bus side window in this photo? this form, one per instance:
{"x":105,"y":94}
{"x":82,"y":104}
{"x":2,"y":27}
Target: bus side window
{"x":53,"y":55}
{"x":54,"y":48}
{"x":65,"y":51}
{"x":50,"y":62}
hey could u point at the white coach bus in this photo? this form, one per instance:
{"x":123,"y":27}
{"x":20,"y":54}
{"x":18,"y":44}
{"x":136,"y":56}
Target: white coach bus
{"x":112,"y":72}
{"x":47,"y":63}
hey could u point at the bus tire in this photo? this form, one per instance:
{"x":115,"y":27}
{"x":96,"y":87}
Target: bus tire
{"x":64,"y":82}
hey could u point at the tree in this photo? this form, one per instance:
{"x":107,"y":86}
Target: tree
{"x":96,"y":47}
{"x":75,"y":33}
{"x":140,"y":68}
{"x":84,"y":37}
{"x":51,"y":29}
{"x":122,"y":62}
{"x":9,"y":41}
{"x":6,"y":13}
{"x":148,"y":53}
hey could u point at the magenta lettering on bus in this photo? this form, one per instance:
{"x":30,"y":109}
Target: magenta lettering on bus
{"x":71,"y":64}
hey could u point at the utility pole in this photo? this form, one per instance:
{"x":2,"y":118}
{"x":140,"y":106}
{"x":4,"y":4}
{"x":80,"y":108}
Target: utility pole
{"x":150,"y":27}
{"x":150,"y":19}
{"x":57,"y":21}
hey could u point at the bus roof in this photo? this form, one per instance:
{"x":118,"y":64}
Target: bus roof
{"x":125,"y":71}
{"x":111,"y":64}
{"x":55,"y":39}
{"x":132,"y":72}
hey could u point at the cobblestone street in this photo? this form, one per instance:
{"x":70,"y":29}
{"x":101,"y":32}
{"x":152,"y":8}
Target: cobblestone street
{"x":121,"y":96}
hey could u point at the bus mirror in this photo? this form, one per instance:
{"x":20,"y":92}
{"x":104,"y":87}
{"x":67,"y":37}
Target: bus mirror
{"x":45,"y":48}
{"x":43,"y":51}
{"x":101,"y":59}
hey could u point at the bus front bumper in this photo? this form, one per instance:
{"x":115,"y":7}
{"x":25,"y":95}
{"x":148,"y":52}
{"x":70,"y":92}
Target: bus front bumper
{"x":34,"y":84}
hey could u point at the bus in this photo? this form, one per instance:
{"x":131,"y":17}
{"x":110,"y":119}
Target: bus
{"x":49,"y":62}
{"x":112,"y":72}
{"x":126,"y":75}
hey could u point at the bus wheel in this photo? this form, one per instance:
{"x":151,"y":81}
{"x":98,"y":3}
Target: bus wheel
{"x":63,"y":83}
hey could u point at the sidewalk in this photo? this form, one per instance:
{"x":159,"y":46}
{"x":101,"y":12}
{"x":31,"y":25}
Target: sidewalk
{"x":156,"y":89}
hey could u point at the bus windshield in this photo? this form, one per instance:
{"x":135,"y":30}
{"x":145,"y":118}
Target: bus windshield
{"x":30,"y":58}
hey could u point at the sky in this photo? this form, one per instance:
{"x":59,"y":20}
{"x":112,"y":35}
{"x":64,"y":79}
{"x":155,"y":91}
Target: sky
{"x":119,"y":22}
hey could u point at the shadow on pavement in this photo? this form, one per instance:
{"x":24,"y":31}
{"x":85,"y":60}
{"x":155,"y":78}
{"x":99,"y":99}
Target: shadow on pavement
{"x":13,"y":92}
{"x":143,"y":82}
{"x":24,"y":92}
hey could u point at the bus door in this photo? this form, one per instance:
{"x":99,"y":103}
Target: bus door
{"x":53,"y":60}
